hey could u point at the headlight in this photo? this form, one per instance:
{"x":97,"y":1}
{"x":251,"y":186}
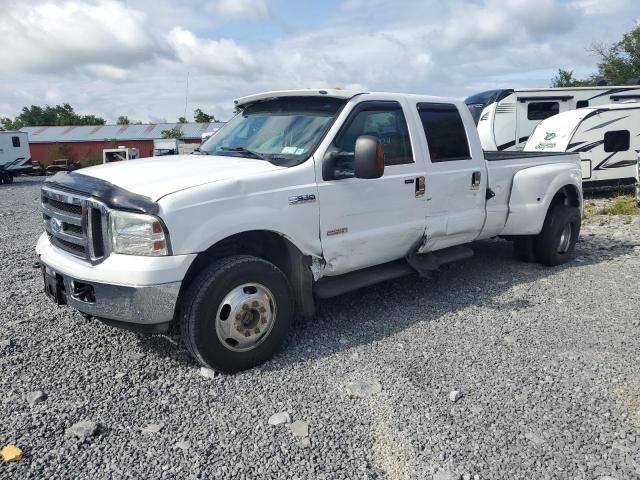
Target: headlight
{"x":137,"y":234}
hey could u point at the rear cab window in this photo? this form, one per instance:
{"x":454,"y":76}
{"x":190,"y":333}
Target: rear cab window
{"x":445,"y":132}
{"x":15,"y":141}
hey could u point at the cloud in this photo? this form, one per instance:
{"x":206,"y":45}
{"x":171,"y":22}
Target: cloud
{"x":54,"y":37}
{"x":254,"y":9}
{"x":113,"y":57}
{"x":222,"y":56}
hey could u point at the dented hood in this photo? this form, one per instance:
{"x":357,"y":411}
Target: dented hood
{"x":159,"y":176}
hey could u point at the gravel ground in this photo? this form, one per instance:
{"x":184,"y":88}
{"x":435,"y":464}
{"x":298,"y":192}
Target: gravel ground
{"x":546,"y":361}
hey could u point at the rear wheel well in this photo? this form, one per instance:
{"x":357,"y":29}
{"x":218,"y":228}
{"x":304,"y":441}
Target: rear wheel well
{"x":271,"y":247}
{"x":567,"y":195}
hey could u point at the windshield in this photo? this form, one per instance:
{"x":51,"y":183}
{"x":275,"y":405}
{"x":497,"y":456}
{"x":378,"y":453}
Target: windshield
{"x":284,"y":131}
{"x":476,"y":103}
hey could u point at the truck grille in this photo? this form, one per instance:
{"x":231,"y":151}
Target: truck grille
{"x":75,"y":223}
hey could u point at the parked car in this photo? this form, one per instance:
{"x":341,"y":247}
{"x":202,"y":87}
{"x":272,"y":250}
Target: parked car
{"x":337,"y":191}
{"x":61,"y":165}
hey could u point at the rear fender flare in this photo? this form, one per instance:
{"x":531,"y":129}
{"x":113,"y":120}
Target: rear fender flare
{"x":533,"y":191}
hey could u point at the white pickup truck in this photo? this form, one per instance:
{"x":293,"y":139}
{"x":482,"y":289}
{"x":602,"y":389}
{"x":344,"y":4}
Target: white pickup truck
{"x":303,"y":195}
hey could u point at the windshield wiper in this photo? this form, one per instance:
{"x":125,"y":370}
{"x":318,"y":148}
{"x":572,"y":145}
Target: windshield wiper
{"x":245,"y":151}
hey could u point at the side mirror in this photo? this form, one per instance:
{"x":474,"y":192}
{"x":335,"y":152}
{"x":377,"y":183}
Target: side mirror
{"x":368,"y":158}
{"x":366,"y":162}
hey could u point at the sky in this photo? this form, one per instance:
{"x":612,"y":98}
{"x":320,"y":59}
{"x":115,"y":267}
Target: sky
{"x":133,"y":57}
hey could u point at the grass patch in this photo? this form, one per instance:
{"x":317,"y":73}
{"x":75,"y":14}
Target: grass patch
{"x":621,"y":205}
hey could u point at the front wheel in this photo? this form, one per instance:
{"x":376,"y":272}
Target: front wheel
{"x":559,"y":235}
{"x":236,"y":313}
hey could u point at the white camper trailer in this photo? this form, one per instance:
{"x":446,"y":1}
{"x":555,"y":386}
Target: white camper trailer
{"x":15,"y":155}
{"x":506,"y":118}
{"x":607,"y":138}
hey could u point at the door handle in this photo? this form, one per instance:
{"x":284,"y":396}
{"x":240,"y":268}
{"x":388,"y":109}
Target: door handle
{"x":476,"y":178}
{"x":421,"y":186}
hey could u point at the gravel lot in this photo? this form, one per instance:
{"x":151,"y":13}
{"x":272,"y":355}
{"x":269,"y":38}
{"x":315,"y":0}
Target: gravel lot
{"x":547,"y":362}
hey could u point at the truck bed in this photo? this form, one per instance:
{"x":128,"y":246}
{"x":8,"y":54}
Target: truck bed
{"x":504,"y":156}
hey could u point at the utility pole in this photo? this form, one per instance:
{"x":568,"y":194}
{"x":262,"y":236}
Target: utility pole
{"x":186,"y":97}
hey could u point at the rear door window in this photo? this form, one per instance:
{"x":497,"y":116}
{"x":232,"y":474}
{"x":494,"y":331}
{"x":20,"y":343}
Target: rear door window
{"x":445,"y":132}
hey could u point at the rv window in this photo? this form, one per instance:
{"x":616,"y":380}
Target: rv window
{"x":582,"y":103}
{"x":617,"y":141}
{"x":446,"y":136}
{"x":15,"y":141}
{"x":542,"y":110}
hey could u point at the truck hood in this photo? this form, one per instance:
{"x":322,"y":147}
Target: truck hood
{"x":156,"y":177}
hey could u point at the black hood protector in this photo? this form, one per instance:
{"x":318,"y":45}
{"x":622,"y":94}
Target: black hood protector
{"x":112,"y":195}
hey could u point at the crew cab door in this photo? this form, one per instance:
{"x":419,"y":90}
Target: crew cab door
{"x":365,"y":222}
{"x":456,"y":181}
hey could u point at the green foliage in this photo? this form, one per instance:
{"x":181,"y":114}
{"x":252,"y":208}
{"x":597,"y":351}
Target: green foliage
{"x":89,"y":160}
{"x":123,"y":120}
{"x":200,"y":117}
{"x":60,"y":115}
{"x":182,"y":120}
{"x":621,"y":205}
{"x":175,"y":132}
{"x":565,"y":78}
{"x":620,"y":62}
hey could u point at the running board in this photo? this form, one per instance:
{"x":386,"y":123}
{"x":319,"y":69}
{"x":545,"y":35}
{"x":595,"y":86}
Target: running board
{"x":328,"y":287}
{"x":428,"y":262}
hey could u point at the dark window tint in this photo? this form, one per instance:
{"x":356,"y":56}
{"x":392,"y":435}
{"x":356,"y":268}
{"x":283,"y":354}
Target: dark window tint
{"x":582,"y":103}
{"x":542,"y":110}
{"x":446,"y":136}
{"x":15,"y":141}
{"x":384,"y":122}
{"x":617,"y":141}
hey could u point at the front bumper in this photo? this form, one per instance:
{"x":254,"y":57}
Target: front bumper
{"x":142,"y":305}
{"x":126,"y":289}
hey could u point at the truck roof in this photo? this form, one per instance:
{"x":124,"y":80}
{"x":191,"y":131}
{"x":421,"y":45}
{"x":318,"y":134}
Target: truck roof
{"x":305,"y":92}
{"x":335,"y":93}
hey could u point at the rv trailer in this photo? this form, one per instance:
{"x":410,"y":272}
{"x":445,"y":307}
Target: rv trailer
{"x":15,"y":155}
{"x":606,"y":137}
{"x":506,"y":118}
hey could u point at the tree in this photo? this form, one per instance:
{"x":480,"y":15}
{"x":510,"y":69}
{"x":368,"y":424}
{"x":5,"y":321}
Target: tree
{"x":60,"y":115}
{"x":565,"y":78}
{"x":620,"y":62}
{"x":175,"y":132}
{"x":200,"y":117}
{"x":182,"y":120}
{"x":123,"y":120}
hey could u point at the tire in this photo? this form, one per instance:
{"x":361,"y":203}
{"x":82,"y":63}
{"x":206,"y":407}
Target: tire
{"x":559,"y":235}
{"x":524,"y":248}
{"x":236,"y":313}
{"x":9,"y":179}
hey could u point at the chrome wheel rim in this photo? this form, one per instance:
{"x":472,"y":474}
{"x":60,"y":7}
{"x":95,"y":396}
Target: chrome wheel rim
{"x":245,"y":317}
{"x":565,"y":239}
